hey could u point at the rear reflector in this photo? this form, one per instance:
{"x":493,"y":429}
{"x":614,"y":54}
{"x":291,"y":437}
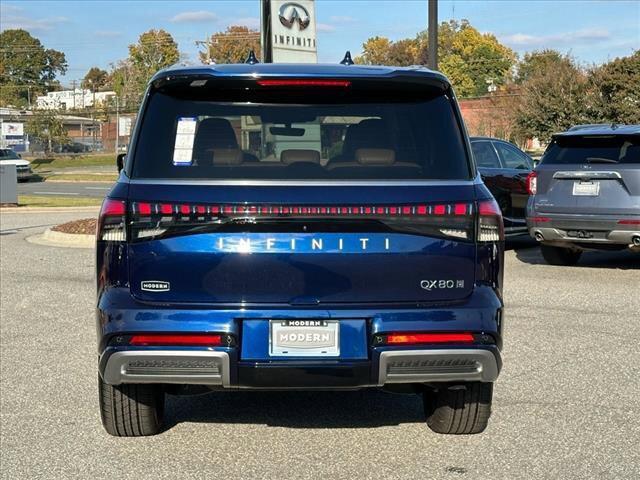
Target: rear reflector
{"x":428,"y":338}
{"x":539,"y":219}
{"x":304,"y":83}
{"x":628,"y":222}
{"x":190,"y":340}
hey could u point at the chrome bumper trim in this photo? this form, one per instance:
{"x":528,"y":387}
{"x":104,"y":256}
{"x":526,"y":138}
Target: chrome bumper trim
{"x":167,"y":366}
{"x":420,"y":366}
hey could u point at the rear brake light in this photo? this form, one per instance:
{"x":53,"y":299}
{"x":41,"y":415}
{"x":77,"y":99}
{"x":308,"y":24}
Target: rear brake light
{"x":304,"y":83}
{"x":532,"y":183}
{"x":191,"y":340}
{"x":111,"y":222}
{"x":490,"y":227}
{"x":628,"y":222}
{"x":427,"y":338}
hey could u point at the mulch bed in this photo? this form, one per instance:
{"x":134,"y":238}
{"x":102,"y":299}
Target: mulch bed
{"x":86,"y":226}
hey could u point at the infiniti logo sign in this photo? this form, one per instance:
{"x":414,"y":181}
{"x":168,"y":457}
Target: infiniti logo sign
{"x":291,"y":13}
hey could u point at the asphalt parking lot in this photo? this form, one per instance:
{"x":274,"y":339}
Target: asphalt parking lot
{"x":566,"y":405}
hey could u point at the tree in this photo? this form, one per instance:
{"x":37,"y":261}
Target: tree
{"x":553,"y":95}
{"x":375,"y":51}
{"x":26,"y":67}
{"x":615,"y":90}
{"x":156,"y":49}
{"x":45,"y":126}
{"x":231,"y":46}
{"x":95,"y":79}
{"x":472,"y":60}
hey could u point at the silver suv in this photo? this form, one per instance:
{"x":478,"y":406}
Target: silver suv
{"x":585,"y":193}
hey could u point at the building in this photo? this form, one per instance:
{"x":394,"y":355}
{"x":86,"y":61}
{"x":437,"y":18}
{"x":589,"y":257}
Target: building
{"x":73,"y":99}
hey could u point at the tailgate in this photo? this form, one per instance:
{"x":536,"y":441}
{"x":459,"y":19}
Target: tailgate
{"x":242,"y":245}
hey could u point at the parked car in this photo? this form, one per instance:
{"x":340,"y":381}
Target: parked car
{"x":23,"y":167}
{"x":504,"y":169}
{"x":380,"y":267}
{"x":585,"y":194}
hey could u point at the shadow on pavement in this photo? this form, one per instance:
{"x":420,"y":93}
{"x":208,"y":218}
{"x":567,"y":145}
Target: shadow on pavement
{"x":347,"y":409}
{"x":622,"y":260}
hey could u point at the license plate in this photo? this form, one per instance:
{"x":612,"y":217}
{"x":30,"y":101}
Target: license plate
{"x":304,"y":338}
{"x":586,"y":189}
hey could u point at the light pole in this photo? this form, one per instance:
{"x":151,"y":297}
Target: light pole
{"x":433,"y":35}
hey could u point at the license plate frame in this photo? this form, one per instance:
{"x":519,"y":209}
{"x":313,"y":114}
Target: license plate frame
{"x":586,"y":189}
{"x":312,"y":338}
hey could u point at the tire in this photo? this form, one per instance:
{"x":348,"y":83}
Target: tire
{"x":131,"y":410}
{"x":560,"y":255}
{"x":459,"y":409}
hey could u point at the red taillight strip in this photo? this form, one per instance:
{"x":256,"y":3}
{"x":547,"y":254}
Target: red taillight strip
{"x":192,"y":340}
{"x":304,"y":83}
{"x":427,"y":338}
{"x":628,"y":222}
{"x":458,"y":210}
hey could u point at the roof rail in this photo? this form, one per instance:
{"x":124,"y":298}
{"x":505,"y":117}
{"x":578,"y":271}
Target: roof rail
{"x":347,"y":60}
{"x":251,"y":59}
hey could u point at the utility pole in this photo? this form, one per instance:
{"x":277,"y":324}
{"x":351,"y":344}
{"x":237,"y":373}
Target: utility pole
{"x":265,"y":32}
{"x":433,"y":35}
{"x":117,"y":124}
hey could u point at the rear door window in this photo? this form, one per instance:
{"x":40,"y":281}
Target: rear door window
{"x":197,"y":138}
{"x":485,"y":155}
{"x":600,"y":149}
{"x":512,"y":157}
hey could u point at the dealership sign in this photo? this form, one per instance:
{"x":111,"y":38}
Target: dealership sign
{"x":293,"y":31}
{"x":11,"y":129}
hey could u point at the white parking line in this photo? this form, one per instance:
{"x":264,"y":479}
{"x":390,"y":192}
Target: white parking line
{"x":56,"y":193}
{"x":97,"y":188}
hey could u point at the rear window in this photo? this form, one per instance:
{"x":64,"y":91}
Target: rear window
{"x":593,"y":149}
{"x":319,"y":138}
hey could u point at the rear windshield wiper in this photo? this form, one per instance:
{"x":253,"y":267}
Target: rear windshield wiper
{"x":600,"y":160}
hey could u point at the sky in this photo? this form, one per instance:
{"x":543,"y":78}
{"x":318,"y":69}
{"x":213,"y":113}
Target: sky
{"x":97,"y":33}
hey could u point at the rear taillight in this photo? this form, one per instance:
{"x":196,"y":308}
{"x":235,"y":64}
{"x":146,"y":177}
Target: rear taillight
{"x":456,"y":220}
{"x":111,"y":222}
{"x":490,"y":227}
{"x":532,"y":183}
{"x":628,"y":222}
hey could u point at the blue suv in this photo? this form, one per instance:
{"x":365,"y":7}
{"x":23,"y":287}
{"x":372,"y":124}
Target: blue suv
{"x":299,"y":227}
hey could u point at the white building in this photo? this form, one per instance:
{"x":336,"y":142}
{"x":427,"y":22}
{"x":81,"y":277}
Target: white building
{"x":72,"y":99}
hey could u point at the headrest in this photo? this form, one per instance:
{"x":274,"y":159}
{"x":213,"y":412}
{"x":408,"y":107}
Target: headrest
{"x":293,"y":156}
{"x":216,"y":133}
{"x":227,"y":156}
{"x":375,"y":156}
{"x":369,"y":133}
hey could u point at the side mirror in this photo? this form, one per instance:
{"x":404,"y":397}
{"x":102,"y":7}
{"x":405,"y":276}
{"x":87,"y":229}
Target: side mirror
{"x":120,"y":161}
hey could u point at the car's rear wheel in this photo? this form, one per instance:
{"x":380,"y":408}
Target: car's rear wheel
{"x":560,"y":255}
{"x":459,"y":409}
{"x":131,"y":410}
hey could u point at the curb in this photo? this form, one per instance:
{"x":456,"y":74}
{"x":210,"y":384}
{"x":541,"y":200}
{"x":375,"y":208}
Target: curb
{"x":60,"y":239}
{"x":92,"y":208}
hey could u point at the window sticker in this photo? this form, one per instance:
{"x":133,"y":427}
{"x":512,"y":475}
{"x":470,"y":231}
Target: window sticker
{"x":185,"y":136}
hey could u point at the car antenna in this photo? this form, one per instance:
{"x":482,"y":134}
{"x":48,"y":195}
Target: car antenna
{"x":613,"y":125}
{"x":251,"y":59}
{"x":347,"y":60}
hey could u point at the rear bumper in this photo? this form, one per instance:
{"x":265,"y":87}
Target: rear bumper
{"x":213,"y":368}
{"x":246,"y":364}
{"x":584,"y":229}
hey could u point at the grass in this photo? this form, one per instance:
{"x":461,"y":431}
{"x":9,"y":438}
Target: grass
{"x":83,"y":177}
{"x":74,"y":161}
{"x":54,"y":201}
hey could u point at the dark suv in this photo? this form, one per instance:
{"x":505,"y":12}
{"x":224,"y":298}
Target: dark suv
{"x":299,"y":227}
{"x":585,"y":194}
